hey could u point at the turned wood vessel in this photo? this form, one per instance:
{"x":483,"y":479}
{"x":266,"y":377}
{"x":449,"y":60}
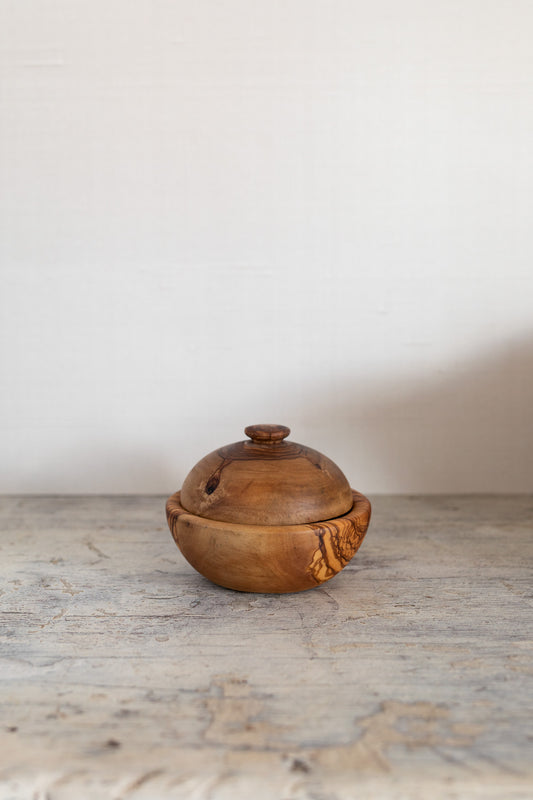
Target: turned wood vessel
{"x":267,"y":515}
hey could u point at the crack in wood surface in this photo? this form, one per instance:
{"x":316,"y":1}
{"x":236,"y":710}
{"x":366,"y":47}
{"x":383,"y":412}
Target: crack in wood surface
{"x":411,"y":673}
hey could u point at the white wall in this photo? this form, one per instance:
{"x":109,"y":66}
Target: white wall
{"x":317,"y":213}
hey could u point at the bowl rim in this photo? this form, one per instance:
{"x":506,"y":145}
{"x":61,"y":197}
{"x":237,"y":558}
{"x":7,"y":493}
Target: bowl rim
{"x":358,"y":515}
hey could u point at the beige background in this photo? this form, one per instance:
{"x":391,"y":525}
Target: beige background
{"x":221,"y":213}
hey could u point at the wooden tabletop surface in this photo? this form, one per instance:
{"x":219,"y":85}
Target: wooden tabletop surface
{"x":124,"y":674}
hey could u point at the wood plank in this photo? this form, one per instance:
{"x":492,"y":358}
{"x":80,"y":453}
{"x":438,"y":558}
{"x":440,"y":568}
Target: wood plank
{"x":125,"y":674}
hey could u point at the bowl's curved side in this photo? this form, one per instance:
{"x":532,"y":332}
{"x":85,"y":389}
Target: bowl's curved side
{"x":257,"y":558}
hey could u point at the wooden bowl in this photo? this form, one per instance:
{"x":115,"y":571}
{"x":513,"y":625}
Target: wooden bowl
{"x":267,"y":515}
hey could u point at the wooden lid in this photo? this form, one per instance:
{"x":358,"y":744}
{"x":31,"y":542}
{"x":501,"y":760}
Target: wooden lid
{"x":266,"y":480}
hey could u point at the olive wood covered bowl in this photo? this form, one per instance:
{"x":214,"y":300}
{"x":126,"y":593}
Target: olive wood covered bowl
{"x":267,"y":515}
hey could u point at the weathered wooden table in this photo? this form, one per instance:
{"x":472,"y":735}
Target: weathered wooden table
{"x":124,"y":674}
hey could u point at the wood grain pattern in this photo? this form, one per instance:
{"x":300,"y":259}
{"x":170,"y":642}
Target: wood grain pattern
{"x":266,"y":481}
{"x":125,"y":674}
{"x":267,"y":433}
{"x":263,"y":558}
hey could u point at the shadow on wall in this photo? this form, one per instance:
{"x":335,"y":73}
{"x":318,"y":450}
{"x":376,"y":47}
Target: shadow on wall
{"x":105,"y":468}
{"x":468,"y":428}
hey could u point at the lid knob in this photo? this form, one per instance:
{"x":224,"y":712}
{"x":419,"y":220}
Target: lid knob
{"x":267,"y":434}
